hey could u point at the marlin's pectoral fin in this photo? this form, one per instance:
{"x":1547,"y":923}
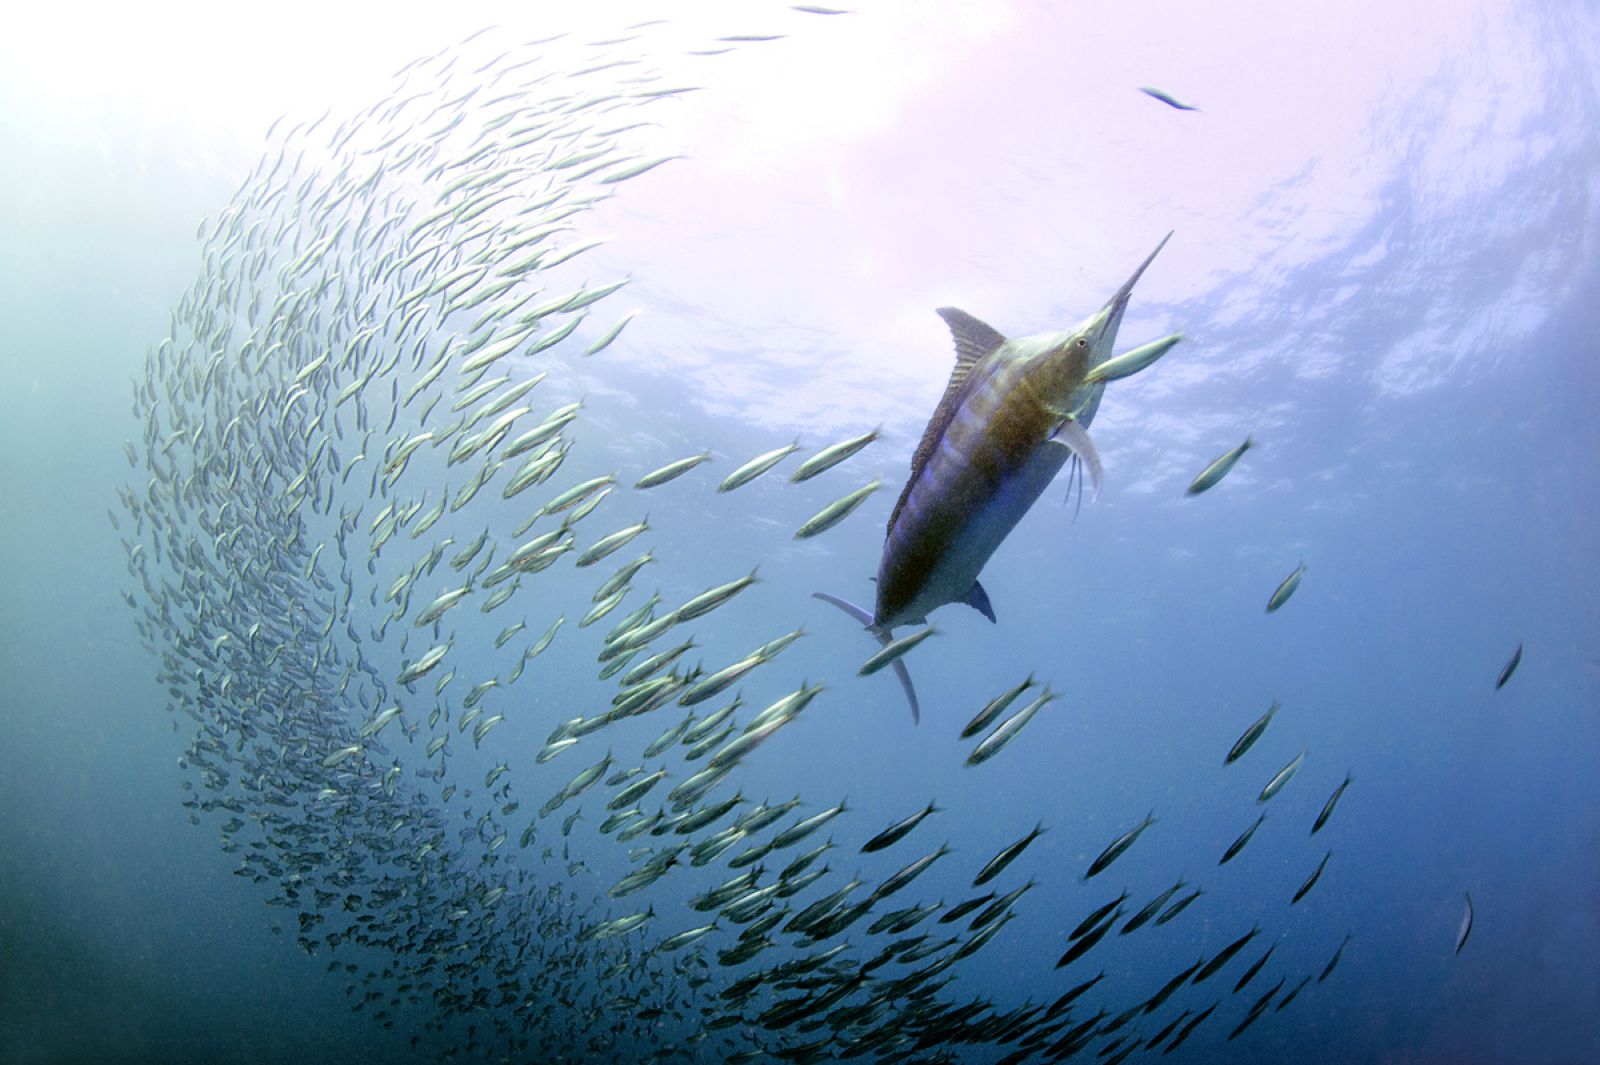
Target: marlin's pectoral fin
{"x":884,"y":639}
{"x":847,"y":606}
{"x":905,"y":682}
{"x":1075,"y":439}
{"x":978,"y":599}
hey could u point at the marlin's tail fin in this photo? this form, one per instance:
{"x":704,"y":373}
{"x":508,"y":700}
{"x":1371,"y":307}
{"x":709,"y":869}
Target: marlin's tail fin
{"x":883,"y":639}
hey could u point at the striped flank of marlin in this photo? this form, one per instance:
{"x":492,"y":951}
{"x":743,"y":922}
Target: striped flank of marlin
{"x":1011,"y":416}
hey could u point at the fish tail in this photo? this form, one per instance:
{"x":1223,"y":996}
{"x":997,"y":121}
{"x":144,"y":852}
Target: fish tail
{"x":897,"y":665}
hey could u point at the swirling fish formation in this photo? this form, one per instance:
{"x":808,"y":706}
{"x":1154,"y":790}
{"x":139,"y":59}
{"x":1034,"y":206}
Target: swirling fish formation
{"x":351,"y":407}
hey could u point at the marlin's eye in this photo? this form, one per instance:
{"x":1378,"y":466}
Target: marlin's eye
{"x":1081,"y":343}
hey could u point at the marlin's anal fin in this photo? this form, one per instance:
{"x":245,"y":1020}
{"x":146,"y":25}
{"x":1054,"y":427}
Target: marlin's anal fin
{"x":978,"y":599}
{"x":1075,"y":439}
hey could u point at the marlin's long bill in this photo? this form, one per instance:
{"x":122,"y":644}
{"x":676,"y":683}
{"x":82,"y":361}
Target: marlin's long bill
{"x":883,"y":640}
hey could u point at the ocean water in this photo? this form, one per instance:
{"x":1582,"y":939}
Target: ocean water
{"x":1383,"y":263}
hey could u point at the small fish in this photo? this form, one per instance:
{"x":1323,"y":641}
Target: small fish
{"x":1225,"y":955}
{"x":1250,"y":735}
{"x":1167,"y":98}
{"x":1280,"y":778}
{"x":1311,"y":881}
{"x":1238,"y":845}
{"x":756,"y":467}
{"x":617,"y":927}
{"x":829,"y":457}
{"x":797,"y":832}
{"x":1281,"y":595}
{"x":1218,"y":469}
{"x":619,"y":580}
{"x":671,"y":471}
{"x":1257,"y":1010}
{"x":1098,"y":914}
{"x":996,"y":865}
{"x":1178,"y":907}
{"x":1131,"y":362}
{"x":1327,"y":970}
{"x":430,"y":658}
{"x":1007,"y":730}
{"x":1466,"y":922}
{"x":1292,"y":993}
{"x":436,"y":609}
{"x":1184,"y":1032}
{"x":1250,"y":973}
{"x":994,"y":709}
{"x":668,"y":738}
{"x":894,"y":650}
{"x":613,"y":542}
{"x":1119,"y":846}
{"x":835,"y":512}
{"x":637,"y":169}
{"x":961,"y":909}
{"x":577,"y":494}
{"x":508,"y":632}
{"x":1088,"y":940}
{"x":1511,"y":667}
{"x":1071,"y":995}
{"x":907,"y":874}
{"x":1327,"y":807}
{"x":709,"y":600}
{"x":898,"y":831}
{"x":340,"y":755}
{"x":1151,"y":908}
{"x":683,"y":939}
{"x":1172,"y":987}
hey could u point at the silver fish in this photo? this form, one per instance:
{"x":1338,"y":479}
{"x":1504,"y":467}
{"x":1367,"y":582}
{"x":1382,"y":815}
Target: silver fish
{"x":1218,"y":469}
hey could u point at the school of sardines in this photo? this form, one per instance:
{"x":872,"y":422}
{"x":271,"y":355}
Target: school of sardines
{"x":361,"y":365}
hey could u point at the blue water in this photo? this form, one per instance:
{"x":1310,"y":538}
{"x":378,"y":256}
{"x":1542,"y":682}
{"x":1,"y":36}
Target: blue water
{"x":1384,"y":267}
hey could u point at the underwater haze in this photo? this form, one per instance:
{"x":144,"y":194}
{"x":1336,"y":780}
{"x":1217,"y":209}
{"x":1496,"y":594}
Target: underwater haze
{"x":417,"y":476}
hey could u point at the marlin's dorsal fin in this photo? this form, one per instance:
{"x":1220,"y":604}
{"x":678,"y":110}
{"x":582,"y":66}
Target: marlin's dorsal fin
{"x":974,"y":340}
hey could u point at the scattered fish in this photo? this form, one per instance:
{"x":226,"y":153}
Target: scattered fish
{"x":1327,"y":807}
{"x":994,"y":708}
{"x":1130,"y":363}
{"x":1311,"y":881}
{"x":894,"y":650}
{"x":1007,"y":730}
{"x":1248,"y":738}
{"x":671,"y":471}
{"x":1238,"y":845}
{"x":1282,"y":593}
{"x":1510,"y":668}
{"x":756,"y":467}
{"x":831,"y":456}
{"x":835,"y":512}
{"x":897,"y":831}
{"x":1167,"y":98}
{"x":1119,"y":846}
{"x":1281,"y":777}
{"x":997,"y":865}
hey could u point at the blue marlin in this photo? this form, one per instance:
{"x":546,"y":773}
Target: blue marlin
{"x":1013,"y":414}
